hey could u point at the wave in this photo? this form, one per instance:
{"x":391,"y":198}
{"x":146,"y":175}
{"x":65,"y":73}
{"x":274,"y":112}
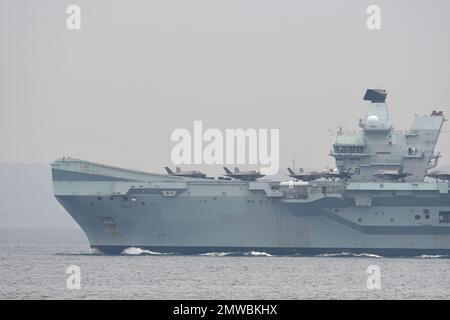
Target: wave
{"x":368,"y":255}
{"x":258,"y":254}
{"x":220,"y":254}
{"x":348,"y":254}
{"x":134,"y":251}
{"x":96,"y":252}
{"x":432,"y":256}
{"x":236,"y":254}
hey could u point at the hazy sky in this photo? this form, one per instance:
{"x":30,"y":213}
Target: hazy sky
{"x":114,"y":91}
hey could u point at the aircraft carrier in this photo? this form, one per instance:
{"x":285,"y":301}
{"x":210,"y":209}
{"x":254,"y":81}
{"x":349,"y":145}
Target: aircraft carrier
{"x":378,"y":200}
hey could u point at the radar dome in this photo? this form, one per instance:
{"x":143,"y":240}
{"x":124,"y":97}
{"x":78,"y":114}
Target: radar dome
{"x":373,"y":120}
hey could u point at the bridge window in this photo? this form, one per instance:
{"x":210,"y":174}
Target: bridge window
{"x":349,"y":149}
{"x":444,"y":216}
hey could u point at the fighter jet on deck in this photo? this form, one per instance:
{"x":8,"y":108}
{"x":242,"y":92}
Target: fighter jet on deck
{"x":439,"y":175}
{"x":189,"y":174}
{"x":243,"y":175}
{"x":392,"y":175}
{"x":301,"y":175}
{"x":334,"y":174}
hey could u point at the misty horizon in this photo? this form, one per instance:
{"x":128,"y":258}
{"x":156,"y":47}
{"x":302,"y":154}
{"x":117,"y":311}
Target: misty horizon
{"x":114,"y":91}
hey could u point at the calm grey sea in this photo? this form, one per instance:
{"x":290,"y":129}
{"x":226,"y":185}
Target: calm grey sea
{"x":33,"y":265}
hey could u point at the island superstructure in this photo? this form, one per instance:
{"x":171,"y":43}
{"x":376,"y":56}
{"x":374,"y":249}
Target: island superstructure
{"x":378,"y":201}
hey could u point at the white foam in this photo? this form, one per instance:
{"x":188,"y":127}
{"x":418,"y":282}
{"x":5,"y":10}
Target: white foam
{"x":430,"y":256}
{"x":95,"y":251}
{"x":216,"y":254}
{"x":341,"y":254}
{"x":236,"y":254}
{"x":258,"y":254}
{"x":133,"y":251}
{"x":369,"y":255}
{"x":348,"y":254}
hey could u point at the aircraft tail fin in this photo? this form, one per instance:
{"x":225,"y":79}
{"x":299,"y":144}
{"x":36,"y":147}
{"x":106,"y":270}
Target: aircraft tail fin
{"x":291,"y":171}
{"x":227,"y":170}
{"x":178,"y":169}
{"x":169,"y":171}
{"x":236,"y":169}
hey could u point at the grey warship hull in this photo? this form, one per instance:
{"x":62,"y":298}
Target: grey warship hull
{"x":190,"y":216}
{"x":386,"y":206}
